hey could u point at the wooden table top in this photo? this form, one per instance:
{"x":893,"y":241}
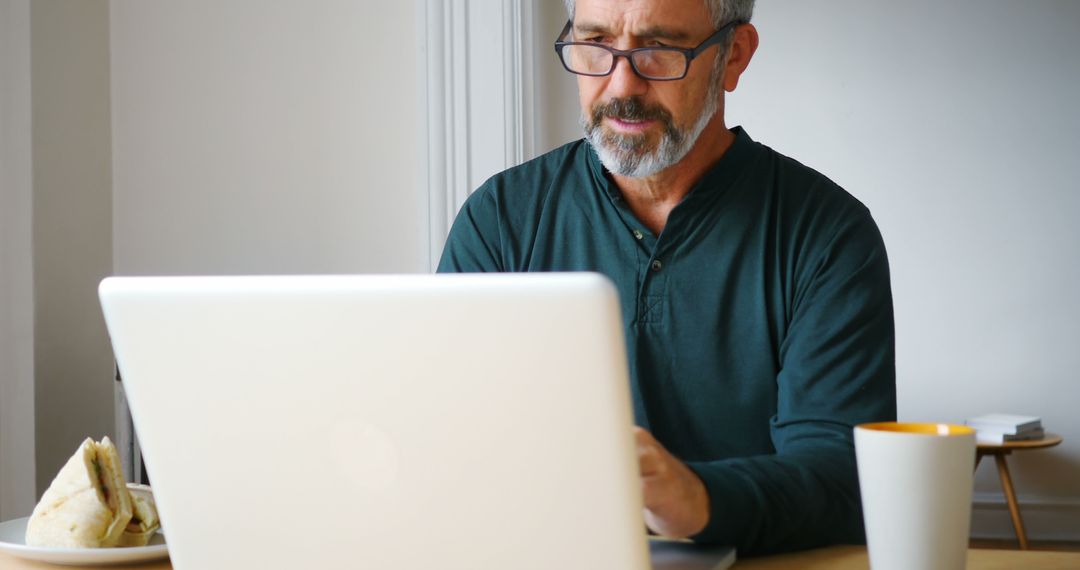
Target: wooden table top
{"x":855,"y":558}
{"x":9,"y":562}
{"x":832,"y":558}
{"x":1048,"y":440}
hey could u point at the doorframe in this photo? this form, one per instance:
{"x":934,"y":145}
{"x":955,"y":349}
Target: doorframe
{"x":476,"y":101}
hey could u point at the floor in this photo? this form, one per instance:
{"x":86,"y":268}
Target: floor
{"x":1034,"y":544}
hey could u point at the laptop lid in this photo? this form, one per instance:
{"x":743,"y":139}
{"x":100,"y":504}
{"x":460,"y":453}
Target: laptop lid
{"x":464,"y":421}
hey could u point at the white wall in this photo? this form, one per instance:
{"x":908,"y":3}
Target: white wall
{"x":266,"y":137}
{"x":956,"y":123}
{"x":16,"y":265}
{"x":247,"y":137}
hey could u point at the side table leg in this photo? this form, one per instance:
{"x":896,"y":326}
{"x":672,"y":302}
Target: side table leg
{"x":1010,"y":498}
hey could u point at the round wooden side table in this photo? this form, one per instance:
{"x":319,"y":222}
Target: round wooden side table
{"x":999,"y":451}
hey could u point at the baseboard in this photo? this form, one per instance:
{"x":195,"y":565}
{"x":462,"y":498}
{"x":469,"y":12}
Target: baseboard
{"x":1045,"y":518}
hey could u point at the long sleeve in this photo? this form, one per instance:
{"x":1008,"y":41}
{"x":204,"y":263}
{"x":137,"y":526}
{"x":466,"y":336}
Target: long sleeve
{"x":836,"y":370}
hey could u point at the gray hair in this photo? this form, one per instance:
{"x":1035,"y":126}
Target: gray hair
{"x":721,"y":11}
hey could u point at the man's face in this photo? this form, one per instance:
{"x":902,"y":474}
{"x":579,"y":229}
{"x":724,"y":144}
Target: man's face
{"x":641,"y":127}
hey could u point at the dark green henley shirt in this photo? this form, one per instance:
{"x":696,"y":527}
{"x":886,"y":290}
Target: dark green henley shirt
{"x":759,"y":323}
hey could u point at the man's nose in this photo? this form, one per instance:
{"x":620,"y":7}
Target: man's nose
{"x":624,"y":82}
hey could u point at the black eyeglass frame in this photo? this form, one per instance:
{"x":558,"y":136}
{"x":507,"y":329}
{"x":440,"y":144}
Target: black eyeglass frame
{"x":688,"y":53}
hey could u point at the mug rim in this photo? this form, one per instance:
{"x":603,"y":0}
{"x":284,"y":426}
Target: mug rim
{"x":938,"y":429}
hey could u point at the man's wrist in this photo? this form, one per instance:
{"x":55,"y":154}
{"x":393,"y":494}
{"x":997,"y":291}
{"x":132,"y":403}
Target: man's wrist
{"x":687,"y":516}
{"x":699,"y":503}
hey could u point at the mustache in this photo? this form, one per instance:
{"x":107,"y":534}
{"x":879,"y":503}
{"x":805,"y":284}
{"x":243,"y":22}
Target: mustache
{"x":631,"y":108}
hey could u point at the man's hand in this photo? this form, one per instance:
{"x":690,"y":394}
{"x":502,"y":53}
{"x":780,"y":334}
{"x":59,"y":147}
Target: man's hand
{"x":676,"y":501}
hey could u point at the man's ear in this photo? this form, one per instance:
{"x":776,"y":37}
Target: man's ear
{"x":743,"y":46}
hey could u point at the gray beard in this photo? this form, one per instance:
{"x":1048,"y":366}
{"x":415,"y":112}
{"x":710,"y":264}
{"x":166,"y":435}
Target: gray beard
{"x":629,"y":155}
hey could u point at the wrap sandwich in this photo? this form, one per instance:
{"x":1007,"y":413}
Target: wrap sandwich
{"x":144,"y":519}
{"x":87,"y":505}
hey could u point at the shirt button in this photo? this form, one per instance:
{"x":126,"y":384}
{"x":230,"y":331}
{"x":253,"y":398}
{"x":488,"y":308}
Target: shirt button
{"x":656,"y":265}
{"x":638,"y":234}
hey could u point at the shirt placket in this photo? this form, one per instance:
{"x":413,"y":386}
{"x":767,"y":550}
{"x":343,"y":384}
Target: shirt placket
{"x":651,"y":268}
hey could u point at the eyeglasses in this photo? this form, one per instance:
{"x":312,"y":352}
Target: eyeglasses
{"x":658,"y":63}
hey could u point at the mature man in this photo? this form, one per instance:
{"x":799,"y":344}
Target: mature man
{"x":755,"y":291}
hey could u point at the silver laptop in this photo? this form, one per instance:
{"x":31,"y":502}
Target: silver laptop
{"x":404,"y":422}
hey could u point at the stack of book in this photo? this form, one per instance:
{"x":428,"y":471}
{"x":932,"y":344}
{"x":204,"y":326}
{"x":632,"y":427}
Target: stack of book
{"x":1000,"y":428}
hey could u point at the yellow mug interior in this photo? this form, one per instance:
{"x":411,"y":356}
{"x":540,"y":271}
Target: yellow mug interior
{"x":919,"y":428}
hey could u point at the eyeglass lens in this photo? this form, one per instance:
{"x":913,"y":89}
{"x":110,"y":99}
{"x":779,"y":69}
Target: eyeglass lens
{"x":651,"y":63}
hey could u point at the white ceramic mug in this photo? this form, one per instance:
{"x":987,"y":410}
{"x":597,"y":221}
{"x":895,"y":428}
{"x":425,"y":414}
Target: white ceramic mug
{"x":916,"y":484}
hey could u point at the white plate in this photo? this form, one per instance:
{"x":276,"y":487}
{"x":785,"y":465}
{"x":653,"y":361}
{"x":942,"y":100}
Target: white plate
{"x":13,"y":541}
